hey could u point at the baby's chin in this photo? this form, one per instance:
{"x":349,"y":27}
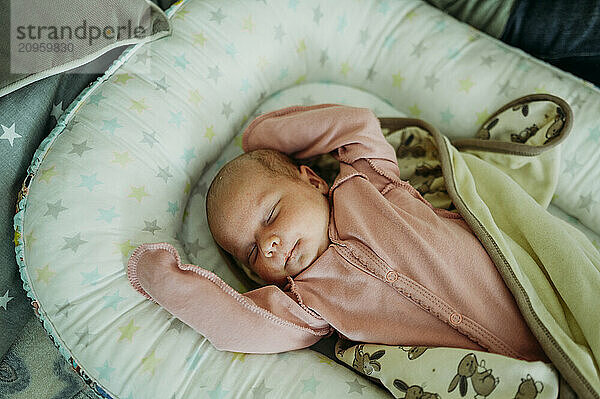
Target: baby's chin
{"x":282,"y":281}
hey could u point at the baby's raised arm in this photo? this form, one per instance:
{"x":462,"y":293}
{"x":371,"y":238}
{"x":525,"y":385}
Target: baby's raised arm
{"x":265,"y":320}
{"x":305,"y":131}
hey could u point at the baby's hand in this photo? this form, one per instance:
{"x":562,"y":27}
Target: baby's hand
{"x":150,"y":265}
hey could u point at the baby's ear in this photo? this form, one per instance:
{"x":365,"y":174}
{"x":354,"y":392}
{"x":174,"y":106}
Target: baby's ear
{"x":309,"y":176}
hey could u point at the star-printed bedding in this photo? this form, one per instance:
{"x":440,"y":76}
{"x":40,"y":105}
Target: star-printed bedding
{"x":130,"y":161}
{"x":26,"y":118}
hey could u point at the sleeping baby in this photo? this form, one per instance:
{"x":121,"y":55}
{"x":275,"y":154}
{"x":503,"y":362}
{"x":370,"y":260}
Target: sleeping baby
{"x":368,"y":257}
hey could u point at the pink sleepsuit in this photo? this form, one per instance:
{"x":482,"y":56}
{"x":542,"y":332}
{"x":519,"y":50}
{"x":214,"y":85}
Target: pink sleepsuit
{"x":398,"y":271}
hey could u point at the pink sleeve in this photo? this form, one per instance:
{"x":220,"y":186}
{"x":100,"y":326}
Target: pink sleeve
{"x":265,"y":320}
{"x":306,"y":131}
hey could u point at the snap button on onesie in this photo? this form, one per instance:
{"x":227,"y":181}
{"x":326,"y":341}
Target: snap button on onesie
{"x":391,"y":276}
{"x":455,"y":319}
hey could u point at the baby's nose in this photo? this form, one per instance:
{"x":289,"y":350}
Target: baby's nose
{"x":270,"y":245}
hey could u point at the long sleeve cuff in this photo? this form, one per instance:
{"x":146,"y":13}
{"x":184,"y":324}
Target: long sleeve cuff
{"x":231,"y":321}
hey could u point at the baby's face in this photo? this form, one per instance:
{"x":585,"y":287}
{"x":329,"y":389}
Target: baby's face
{"x":273,"y":224}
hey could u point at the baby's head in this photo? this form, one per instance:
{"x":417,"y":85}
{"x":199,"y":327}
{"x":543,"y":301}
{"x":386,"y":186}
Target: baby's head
{"x":270,"y":214}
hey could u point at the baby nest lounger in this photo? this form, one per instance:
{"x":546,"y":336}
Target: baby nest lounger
{"x":130,"y":161}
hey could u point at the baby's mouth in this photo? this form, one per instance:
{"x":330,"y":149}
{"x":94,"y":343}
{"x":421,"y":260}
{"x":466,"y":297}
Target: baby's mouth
{"x":289,"y":255}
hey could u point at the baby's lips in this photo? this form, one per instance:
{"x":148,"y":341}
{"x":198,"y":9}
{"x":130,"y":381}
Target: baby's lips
{"x":289,"y":254}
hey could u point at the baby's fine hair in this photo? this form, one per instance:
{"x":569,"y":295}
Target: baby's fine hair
{"x":271,"y":161}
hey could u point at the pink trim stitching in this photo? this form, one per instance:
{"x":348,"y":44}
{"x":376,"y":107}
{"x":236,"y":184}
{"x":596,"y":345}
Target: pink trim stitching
{"x":338,"y":181}
{"x":132,"y":272}
{"x":294,"y":290}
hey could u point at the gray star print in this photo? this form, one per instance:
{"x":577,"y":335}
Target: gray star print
{"x":176,"y":325}
{"x":55,"y":209}
{"x":142,"y":57}
{"x":80,"y":148}
{"x":418,"y":49}
{"x":324,"y":58}
{"x":73,"y":242}
{"x":63,"y":309}
{"x":586,"y":202}
{"x":214,"y":73}
{"x":227,"y":110}
{"x":217,"y":16}
{"x":260,"y":391}
{"x":317,"y":14}
{"x":164,"y":174}
{"x":431,"y":81}
{"x":151,"y":226}
{"x":487,"y":60}
{"x":85,"y":337}
{"x":149,"y":138}
{"x":355,"y":386}
{"x":161,"y":84}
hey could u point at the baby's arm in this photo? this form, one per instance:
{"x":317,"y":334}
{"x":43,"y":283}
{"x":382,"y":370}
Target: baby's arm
{"x":306,"y":131}
{"x":265,"y":320}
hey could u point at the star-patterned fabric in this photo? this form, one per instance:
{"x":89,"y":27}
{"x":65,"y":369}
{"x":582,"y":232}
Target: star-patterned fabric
{"x":28,"y":115}
{"x":140,"y":147}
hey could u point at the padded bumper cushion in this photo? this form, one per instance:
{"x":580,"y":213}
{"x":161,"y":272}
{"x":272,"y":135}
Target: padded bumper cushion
{"x":129,"y":161}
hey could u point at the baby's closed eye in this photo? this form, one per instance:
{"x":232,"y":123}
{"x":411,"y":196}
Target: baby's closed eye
{"x":272,"y":212}
{"x":250,"y":255}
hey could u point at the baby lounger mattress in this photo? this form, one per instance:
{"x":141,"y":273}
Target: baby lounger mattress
{"x":130,"y":162}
